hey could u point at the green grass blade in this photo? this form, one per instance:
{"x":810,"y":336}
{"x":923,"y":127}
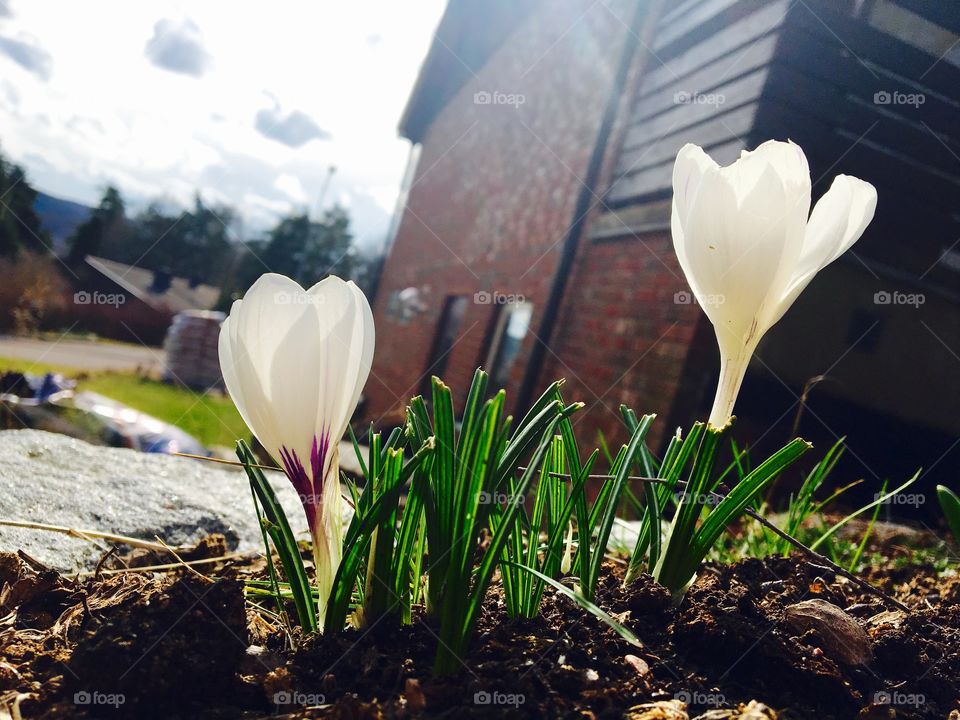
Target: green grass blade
{"x":499,"y":538}
{"x":950,"y":504}
{"x":358,"y":452}
{"x":866,"y":534}
{"x":358,"y":537}
{"x":268,"y":553}
{"x":737,"y":500}
{"x":283,"y":539}
{"x":584,"y":603}
{"x":869,"y":506}
{"x":648,"y":463}
{"x":610,"y":509}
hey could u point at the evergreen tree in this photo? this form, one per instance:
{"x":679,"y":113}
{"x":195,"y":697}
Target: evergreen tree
{"x":107,"y":226}
{"x":307,"y":250}
{"x":20,"y":227}
{"x":304,"y":249}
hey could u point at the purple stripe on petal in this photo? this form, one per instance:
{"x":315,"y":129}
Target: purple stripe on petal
{"x":308,"y":486}
{"x":295,"y":471}
{"x":318,"y":457}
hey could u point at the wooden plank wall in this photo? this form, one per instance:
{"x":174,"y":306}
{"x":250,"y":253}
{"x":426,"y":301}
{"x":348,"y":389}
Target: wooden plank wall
{"x":728,"y":74}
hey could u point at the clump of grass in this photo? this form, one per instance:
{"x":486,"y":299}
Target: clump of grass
{"x":374,"y":574}
{"x":699,"y":513}
{"x":539,"y":546}
{"x":805,"y":517}
{"x":470,"y":488}
{"x":596,"y":523}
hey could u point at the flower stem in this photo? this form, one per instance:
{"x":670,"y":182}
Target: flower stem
{"x":326,"y":530}
{"x":735,"y":357}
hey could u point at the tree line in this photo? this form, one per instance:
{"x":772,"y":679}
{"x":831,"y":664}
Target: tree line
{"x":201,"y":243}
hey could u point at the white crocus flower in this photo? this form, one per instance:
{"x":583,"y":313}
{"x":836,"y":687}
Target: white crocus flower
{"x":749,"y":245}
{"x":294,"y":362}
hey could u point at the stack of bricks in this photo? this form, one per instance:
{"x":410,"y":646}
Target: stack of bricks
{"x":191,"y":347}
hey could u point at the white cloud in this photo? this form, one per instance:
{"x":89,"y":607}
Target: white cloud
{"x":177,"y":46}
{"x":107,"y":113}
{"x":28,"y":55}
{"x":293,"y":130}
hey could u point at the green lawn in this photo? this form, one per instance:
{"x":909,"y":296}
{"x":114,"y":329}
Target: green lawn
{"x":212,"y":419}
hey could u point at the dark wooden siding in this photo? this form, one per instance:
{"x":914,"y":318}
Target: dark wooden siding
{"x":811,"y":71}
{"x":826,"y":88}
{"x":710,"y":65}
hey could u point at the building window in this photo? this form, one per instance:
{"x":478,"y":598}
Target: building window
{"x":448,"y":329}
{"x":511,"y":326}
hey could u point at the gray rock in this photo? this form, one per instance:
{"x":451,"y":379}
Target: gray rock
{"x":58,"y":480}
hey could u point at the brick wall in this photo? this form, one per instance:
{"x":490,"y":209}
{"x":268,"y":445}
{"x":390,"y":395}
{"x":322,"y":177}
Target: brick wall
{"x":494,"y":192}
{"x":623,"y":338}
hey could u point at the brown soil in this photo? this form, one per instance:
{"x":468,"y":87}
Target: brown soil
{"x":181,"y":645}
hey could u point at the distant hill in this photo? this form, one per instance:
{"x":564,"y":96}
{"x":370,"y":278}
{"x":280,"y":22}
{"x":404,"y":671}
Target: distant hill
{"x":60,"y":217}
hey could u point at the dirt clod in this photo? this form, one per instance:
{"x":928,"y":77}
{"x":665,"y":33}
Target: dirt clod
{"x":184,"y":646}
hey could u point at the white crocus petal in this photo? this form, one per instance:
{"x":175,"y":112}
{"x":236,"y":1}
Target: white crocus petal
{"x":295,"y":361}
{"x":745,"y":243}
{"x":836,"y":223}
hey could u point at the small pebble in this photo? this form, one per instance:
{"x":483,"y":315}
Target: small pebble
{"x":842,"y":639}
{"x":637,"y":664}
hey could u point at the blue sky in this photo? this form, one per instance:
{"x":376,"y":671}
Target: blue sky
{"x":250,"y":103}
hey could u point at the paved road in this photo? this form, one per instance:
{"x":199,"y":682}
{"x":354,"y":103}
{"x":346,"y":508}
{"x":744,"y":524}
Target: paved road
{"x":83,"y":354}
